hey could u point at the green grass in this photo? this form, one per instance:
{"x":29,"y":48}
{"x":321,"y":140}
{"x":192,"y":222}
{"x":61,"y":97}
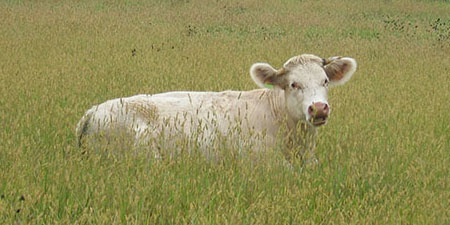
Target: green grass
{"x":384,"y":155}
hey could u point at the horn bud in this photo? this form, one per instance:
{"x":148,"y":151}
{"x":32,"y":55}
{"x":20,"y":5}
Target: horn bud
{"x":281,"y":71}
{"x":329,"y":60}
{"x":326,"y":61}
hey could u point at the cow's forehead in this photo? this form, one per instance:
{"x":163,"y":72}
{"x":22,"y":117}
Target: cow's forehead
{"x":304,"y":59}
{"x":305,"y":68}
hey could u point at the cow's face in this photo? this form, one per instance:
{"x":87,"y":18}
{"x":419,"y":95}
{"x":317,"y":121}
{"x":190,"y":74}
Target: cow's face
{"x":305,"y":80}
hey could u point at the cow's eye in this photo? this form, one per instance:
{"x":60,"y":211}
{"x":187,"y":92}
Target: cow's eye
{"x":325,"y":83}
{"x":294,"y":85}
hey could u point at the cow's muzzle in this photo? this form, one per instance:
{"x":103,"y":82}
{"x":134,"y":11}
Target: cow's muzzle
{"x":318,"y":112}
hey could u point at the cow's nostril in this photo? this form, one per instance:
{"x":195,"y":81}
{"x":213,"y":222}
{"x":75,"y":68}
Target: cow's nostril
{"x":311,"y":110}
{"x":319,"y":110}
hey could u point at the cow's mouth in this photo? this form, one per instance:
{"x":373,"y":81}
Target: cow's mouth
{"x":318,"y":121}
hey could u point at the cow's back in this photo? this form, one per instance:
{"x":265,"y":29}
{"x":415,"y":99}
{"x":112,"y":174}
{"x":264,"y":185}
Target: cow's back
{"x":172,"y":114}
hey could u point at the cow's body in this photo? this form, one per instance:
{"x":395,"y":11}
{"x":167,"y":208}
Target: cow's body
{"x":251,"y":116}
{"x":256,"y":114}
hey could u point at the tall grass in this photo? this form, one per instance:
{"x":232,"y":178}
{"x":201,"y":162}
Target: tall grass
{"x":384,"y":155}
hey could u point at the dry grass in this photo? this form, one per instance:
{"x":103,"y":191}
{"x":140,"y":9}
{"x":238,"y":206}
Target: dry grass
{"x":384,"y":154}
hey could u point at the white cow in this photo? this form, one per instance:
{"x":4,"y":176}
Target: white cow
{"x":290,"y":111}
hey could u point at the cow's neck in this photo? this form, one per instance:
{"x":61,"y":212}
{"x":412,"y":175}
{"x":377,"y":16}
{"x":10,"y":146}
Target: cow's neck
{"x":277,"y":103}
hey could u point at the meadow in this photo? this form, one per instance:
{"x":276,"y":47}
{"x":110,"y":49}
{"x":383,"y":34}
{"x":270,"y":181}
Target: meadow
{"x":384,"y":155}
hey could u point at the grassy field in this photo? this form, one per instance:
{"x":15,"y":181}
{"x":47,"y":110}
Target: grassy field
{"x":384,"y":155}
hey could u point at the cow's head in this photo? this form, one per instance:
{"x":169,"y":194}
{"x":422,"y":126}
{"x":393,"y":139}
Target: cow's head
{"x":305,"y":80}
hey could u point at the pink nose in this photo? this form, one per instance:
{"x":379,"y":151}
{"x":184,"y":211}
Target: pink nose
{"x":319,"y":110}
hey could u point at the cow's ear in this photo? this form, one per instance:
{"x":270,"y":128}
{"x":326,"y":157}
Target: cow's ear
{"x":339,"y":69}
{"x":263,"y":73}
